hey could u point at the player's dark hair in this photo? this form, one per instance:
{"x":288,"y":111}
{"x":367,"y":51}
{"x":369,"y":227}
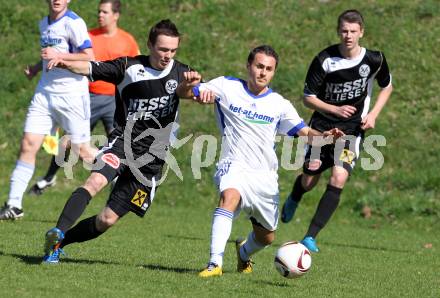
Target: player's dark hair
{"x":116,"y":5}
{"x":164,"y":27}
{"x":265,"y":49}
{"x":350,"y":16}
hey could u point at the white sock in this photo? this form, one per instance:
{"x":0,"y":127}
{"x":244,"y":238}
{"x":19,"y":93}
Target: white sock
{"x":221,"y":230}
{"x":20,"y":178}
{"x":250,"y":247}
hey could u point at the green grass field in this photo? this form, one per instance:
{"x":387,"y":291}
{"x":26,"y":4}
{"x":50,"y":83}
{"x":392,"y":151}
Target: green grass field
{"x":395,"y":253}
{"x":160,"y":255}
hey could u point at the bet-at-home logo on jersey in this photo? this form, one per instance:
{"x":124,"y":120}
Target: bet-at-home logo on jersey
{"x":171,"y":86}
{"x":251,"y":116}
{"x":48,"y":41}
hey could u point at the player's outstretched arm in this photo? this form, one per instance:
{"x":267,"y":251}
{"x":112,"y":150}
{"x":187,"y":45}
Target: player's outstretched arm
{"x":317,"y":138}
{"x":205,"y":96}
{"x":190,"y":82}
{"x":50,"y":53}
{"x":78,"y":67}
{"x":186,"y":89}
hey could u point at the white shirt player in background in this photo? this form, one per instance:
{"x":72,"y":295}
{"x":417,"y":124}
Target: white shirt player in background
{"x":61,"y":98}
{"x":250,"y":115}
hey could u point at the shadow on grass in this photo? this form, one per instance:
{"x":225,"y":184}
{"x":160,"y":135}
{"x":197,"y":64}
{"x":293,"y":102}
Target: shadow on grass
{"x":192,"y":238}
{"x":282,"y":284}
{"x":377,"y":248}
{"x":168,"y":269}
{"x":184,"y":237}
{"x":52,"y":222}
{"x":36,"y":260}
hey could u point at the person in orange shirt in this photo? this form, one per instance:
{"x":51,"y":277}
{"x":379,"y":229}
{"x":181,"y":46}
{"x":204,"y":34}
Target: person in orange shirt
{"x":109,"y":42}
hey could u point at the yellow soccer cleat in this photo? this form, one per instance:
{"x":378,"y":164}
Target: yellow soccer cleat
{"x":242,"y":266}
{"x":211,"y":270}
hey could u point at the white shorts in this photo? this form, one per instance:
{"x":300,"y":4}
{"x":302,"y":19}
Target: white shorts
{"x":71,"y":112}
{"x":258,"y":190}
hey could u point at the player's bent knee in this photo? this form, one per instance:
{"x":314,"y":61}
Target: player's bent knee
{"x":29,"y":146}
{"x":229,"y":199}
{"x":106,"y":220}
{"x":103,"y":223}
{"x":263,"y":236}
{"x":95,"y":183}
{"x":338,"y":180}
{"x":269,"y":240}
{"x":266,"y":239}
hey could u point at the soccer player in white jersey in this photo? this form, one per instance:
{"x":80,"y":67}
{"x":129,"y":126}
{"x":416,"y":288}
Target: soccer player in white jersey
{"x":61,"y":98}
{"x":250,"y":114}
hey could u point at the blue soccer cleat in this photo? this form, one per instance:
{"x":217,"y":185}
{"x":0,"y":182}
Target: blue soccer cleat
{"x":289,"y":209}
{"x":52,"y":248}
{"x":53,"y":257}
{"x":310,"y":243}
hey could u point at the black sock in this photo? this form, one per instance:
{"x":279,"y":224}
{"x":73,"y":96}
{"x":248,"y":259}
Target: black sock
{"x":51,"y":172}
{"x":53,"y":168}
{"x":73,"y":209}
{"x":297,"y":190}
{"x":326,"y":207}
{"x":85,"y":230}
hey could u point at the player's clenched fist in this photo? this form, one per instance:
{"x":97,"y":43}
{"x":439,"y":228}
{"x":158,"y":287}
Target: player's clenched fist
{"x":192,"y":78}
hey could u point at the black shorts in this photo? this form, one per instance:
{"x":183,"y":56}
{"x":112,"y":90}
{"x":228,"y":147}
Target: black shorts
{"x":135,"y":188}
{"x":341,"y":154}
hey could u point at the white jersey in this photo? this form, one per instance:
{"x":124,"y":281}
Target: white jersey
{"x":249,"y":123}
{"x":67,"y":34}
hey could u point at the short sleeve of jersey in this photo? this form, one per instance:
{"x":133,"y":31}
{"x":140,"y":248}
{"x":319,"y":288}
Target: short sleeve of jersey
{"x":111,"y":71}
{"x":315,"y":77}
{"x":216,"y":85}
{"x":79,"y":36}
{"x":383,"y":76}
{"x":290,"y":122}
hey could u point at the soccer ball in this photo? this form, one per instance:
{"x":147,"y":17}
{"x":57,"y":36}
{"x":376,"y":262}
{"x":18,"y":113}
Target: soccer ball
{"x":292,"y":259}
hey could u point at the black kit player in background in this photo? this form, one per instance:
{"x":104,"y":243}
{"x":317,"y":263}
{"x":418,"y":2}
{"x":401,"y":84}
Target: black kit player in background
{"x":338,"y":88}
{"x":148,"y":87}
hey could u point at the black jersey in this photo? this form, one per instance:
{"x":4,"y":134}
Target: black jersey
{"x":340,"y":81}
{"x":146,"y":99}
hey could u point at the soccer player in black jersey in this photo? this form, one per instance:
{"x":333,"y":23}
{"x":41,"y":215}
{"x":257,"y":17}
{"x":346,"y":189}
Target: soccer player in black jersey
{"x":338,"y":88}
{"x":146,"y":110}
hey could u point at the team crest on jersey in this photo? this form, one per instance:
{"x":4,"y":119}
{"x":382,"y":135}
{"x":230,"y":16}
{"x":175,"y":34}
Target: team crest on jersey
{"x":171,"y":86}
{"x":139,"y":199}
{"x":364,"y":70}
{"x":111,"y":159}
